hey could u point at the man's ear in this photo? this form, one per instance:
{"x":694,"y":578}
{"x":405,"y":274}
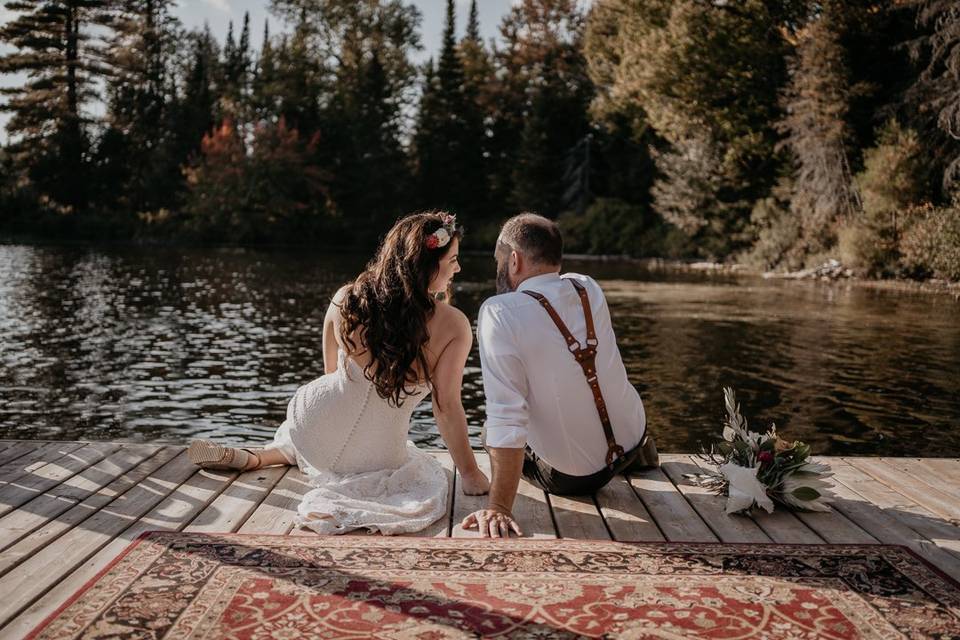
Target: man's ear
{"x":516,"y":262}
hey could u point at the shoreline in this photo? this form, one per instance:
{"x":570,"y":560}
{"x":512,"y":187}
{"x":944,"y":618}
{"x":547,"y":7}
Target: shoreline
{"x":827,"y":273}
{"x":832,"y":272}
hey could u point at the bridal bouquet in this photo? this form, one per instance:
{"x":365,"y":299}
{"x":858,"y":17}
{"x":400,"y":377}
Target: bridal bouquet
{"x":755,"y":470}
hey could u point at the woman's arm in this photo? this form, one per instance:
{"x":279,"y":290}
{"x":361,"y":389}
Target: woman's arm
{"x":448,"y":408}
{"x":331,"y":325}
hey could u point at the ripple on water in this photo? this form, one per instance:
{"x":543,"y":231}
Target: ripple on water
{"x":175,"y":344}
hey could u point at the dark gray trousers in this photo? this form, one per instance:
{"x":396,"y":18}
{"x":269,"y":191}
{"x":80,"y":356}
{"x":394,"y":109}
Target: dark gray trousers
{"x":542,"y":475}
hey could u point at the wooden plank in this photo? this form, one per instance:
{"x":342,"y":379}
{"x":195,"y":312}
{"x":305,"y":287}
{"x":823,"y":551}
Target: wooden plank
{"x":234,"y":505}
{"x":531,"y":508}
{"x":944,"y":477}
{"x":886,"y":528}
{"x":625,"y":515}
{"x":933,"y":499}
{"x":37,"y":574}
{"x":15,"y":450}
{"x":27,"y":487}
{"x":578,"y":517}
{"x":75,"y":516}
{"x":71,"y":492}
{"x":947,"y":468}
{"x":835,"y":528}
{"x":924,"y":522}
{"x":676,"y":519}
{"x":33,"y":459}
{"x":175,"y":511}
{"x":277,"y":512}
{"x":784,"y":526}
{"x":441,"y":528}
{"x":729,"y":528}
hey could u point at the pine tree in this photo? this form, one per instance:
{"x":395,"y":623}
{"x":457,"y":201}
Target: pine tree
{"x":477,"y":76}
{"x":143,"y":40}
{"x":934,"y":93}
{"x":356,"y":55}
{"x":449,"y":68}
{"x":142,"y":104}
{"x":197,"y":107}
{"x":449,"y":138}
{"x":816,"y":103}
{"x":542,"y":96}
{"x":229,"y":54}
{"x":263,"y":85}
{"x":299,"y":82}
{"x":236,"y":64}
{"x":370,"y":174}
{"x":475,"y":59}
{"x":343,"y":34}
{"x":52,"y":44}
{"x":427,"y":146}
{"x":473,"y":24}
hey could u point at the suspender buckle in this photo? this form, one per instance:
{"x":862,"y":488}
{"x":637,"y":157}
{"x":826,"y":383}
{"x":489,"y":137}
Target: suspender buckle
{"x":586,"y":354}
{"x":613,"y":452}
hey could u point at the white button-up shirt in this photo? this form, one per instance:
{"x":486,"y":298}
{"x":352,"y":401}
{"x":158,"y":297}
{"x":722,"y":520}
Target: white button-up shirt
{"x":535,"y":390}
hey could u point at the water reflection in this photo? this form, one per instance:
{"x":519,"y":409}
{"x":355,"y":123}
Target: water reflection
{"x":164,"y":345}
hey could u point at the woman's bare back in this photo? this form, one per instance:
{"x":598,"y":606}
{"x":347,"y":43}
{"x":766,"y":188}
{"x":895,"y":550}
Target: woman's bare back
{"x":443,"y":326}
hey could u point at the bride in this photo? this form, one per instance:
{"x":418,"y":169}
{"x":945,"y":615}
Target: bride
{"x":387,"y":343}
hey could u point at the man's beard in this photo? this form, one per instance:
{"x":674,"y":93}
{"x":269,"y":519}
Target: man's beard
{"x":503,"y":277}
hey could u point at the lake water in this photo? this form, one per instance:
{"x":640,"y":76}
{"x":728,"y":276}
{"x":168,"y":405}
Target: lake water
{"x":165,"y":345}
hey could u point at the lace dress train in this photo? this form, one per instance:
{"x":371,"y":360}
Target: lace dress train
{"x":352,"y":445}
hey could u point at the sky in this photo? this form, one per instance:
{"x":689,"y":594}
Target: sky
{"x":219,"y":13}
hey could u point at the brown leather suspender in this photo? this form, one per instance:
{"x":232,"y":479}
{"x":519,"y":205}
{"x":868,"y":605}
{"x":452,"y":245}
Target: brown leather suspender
{"x":587,"y":358}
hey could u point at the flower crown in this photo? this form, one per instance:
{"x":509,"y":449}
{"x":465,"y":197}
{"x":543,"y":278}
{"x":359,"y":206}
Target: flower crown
{"x":442,"y":236}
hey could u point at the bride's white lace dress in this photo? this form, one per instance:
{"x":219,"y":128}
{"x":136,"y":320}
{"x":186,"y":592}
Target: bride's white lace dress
{"x":352,"y":444}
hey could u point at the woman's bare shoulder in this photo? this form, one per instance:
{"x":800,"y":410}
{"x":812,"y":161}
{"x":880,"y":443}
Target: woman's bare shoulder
{"x":342,"y":293}
{"x":450,"y":321}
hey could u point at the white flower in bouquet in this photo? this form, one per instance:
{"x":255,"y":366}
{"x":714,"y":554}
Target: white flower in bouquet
{"x":744,"y":490}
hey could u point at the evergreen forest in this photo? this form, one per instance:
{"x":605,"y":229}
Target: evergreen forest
{"x":775,"y":133}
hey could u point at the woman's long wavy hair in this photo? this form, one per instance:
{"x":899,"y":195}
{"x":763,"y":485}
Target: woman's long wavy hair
{"x":390,"y":305}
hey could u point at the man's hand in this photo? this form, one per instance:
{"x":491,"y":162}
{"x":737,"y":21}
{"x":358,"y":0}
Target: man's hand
{"x":492,"y":523}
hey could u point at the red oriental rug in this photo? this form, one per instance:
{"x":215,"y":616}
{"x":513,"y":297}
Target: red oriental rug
{"x":177,"y":585}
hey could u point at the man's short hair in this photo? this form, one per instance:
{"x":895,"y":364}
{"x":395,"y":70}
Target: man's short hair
{"x":536,"y":237}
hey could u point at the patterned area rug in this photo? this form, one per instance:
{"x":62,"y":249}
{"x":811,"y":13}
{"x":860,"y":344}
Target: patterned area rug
{"x":175,"y":585}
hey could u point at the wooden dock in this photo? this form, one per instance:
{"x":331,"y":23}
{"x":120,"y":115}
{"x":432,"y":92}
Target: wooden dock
{"x":68,"y":508}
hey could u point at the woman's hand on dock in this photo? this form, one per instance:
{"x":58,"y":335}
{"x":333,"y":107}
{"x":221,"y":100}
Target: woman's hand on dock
{"x":475,"y":484}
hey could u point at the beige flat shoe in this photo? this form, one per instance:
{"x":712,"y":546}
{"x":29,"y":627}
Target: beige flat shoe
{"x":211,"y":455}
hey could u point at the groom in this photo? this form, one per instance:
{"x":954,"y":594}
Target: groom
{"x":560,"y":409}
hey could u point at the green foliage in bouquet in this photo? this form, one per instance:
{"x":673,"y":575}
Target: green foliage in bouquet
{"x":756,"y":470}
